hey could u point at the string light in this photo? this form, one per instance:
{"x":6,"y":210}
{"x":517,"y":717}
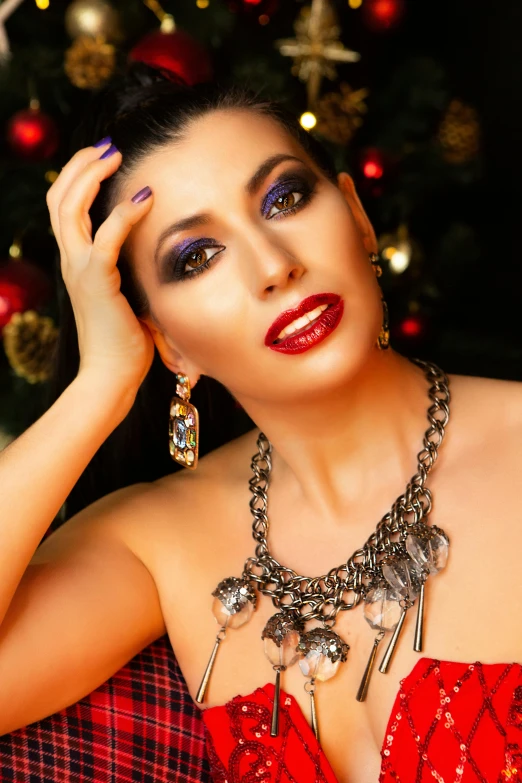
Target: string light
{"x":202,"y":3}
{"x":399,"y":251}
{"x":355,"y":4}
{"x":42,"y":4}
{"x":308,"y":120}
{"x":264,"y":19}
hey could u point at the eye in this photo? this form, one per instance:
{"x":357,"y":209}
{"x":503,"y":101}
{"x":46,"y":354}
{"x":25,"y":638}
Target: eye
{"x":197,"y":258}
{"x":195,"y":261}
{"x":287,"y":202}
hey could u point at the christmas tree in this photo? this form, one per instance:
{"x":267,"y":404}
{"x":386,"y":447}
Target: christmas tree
{"x":414,"y":102}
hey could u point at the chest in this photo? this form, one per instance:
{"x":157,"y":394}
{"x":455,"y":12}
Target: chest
{"x":470,"y":607}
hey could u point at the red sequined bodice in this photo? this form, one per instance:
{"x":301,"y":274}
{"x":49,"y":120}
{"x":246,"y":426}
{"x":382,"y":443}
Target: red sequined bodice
{"x":450,"y":721}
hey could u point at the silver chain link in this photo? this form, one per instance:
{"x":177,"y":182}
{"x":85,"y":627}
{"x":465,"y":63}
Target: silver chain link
{"x":342,"y":588}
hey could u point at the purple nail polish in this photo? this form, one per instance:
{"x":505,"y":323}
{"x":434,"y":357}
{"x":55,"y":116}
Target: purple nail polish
{"x":102,"y":142}
{"x":112,"y":149}
{"x":141,"y":195}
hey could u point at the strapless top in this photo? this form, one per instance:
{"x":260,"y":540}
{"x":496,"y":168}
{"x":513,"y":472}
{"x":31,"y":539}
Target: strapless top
{"x":458,"y":722}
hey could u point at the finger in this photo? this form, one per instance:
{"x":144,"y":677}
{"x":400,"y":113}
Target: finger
{"x":73,"y":210}
{"x":67,"y":175}
{"x":113,"y":232}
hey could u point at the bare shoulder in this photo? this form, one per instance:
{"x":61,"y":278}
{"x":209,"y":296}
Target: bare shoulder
{"x":178,"y":509}
{"x":489,"y":409}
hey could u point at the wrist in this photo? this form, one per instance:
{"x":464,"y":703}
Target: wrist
{"x":101,"y":394}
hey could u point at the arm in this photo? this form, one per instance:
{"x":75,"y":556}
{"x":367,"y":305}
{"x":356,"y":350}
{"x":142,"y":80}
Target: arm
{"x":39,"y":469}
{"x":86,"y":605}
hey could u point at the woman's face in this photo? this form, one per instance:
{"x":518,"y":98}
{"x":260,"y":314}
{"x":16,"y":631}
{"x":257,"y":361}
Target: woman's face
{"x":260,"y":246}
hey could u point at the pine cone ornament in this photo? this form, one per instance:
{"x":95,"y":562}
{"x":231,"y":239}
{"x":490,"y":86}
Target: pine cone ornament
{"x":89,"y":62}
{"x":459,"y":133}
{"x":29,"y":343}
{"x":339,"y":114}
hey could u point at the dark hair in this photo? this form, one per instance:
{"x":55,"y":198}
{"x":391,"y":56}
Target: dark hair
{"x":143,"y":109}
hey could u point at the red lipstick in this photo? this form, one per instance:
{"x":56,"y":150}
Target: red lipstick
{"x":312,"y":334}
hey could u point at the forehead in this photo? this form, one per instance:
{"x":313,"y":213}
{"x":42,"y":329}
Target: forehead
{"x":220,"y":148}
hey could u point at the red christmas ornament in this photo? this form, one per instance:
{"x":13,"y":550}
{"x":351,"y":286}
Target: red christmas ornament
{"x":32,"y":135}
{"x":178,"y":52}
{"x":413,"y":328}
{"x":372,"y":163}
{"x":267,"y":7}
{"x":382,"y":15}
{"x":23,"y":286}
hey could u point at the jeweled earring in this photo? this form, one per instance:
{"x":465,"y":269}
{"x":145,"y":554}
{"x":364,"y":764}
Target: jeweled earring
{"x":383,"y":340}
{"x":183,"y":426}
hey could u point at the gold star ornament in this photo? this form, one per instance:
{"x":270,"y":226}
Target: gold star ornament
{"x":316,"y":47}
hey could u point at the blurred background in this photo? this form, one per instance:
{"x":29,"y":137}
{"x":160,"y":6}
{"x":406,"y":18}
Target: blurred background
{"x":419,"y":101}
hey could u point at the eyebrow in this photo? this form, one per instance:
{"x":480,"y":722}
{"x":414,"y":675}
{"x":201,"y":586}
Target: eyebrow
{"x":203,"y":218}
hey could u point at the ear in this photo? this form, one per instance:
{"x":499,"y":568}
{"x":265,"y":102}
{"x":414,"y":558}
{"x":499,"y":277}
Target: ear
{"x":347,"y":187}
{"x":170,"y":356}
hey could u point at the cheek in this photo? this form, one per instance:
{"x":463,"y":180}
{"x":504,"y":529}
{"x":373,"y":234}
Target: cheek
{"x":204,"y":326}
{"x":334,"y":243}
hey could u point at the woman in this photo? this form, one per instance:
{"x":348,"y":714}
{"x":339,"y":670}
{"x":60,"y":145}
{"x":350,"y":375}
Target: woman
{"x":229,"y":225}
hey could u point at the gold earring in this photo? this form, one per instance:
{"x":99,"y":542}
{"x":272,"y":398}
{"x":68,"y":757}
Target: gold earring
{"x":183,"y":426}
{"x":383,"y":340}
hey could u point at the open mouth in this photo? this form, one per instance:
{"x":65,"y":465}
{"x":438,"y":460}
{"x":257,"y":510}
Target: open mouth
{"x":301,"y":324}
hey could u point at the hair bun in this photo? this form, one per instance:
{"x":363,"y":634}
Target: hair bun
{"x":141,"y":82}
{"x":133,"y":85}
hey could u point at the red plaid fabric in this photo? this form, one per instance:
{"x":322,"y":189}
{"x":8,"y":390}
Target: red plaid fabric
{"x":141,"y":726}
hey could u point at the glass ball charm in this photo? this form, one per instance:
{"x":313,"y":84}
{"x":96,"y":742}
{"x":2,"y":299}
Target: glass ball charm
{"x":382,"y":609}
{"x":281,"y":637}
{"x":321,"y":650}
{"x":428,"y":547}
{"x":234,"y":602}
{"x":403,"y":575}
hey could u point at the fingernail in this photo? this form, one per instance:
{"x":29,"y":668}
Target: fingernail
{"x":141,"y":195}
{"x":112,"y":149}
{"x":102,"y":142}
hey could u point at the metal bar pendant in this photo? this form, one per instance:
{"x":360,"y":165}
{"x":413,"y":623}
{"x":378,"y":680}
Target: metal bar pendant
{"x":419,"y":625}
{"x":315,"y":725}
{"x":363,"y":687}
{"x":208,"y":671}
{"x":274,"y":728}
{"x":393,"y":642}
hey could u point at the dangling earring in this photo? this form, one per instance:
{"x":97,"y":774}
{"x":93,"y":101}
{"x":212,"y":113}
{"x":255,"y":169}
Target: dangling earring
{"x":183,"y":426}
{"x":383,"y":341}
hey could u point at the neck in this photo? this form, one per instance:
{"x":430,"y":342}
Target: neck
{"x":336,"y":450}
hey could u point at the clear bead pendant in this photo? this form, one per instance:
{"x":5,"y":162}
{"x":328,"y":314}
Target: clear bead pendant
{"x":407,"y":578}
{"x":321,"y":651}
{"x":428,"y":547}
{"x":281,"y":637}
{"x":382,"y":611}
{"x":234,"y":603}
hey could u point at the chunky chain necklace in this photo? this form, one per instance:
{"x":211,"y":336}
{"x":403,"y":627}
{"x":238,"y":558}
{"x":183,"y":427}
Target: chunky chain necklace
{"x":389,"y":573}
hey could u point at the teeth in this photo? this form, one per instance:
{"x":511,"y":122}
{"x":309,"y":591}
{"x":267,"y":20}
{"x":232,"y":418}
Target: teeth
{"x":299,"y":323}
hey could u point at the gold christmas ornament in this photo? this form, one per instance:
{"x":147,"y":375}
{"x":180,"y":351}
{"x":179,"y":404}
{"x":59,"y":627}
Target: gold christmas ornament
{"x":459,"y":133}
{"x":316,"y":47}
{"x":29,"y":343}
{"x":94,"y":18}
{"x":339,"y":114}
{"x":89,"y":62}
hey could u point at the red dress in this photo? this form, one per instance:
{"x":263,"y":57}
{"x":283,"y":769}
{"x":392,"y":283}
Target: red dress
{"x":450,"y":722}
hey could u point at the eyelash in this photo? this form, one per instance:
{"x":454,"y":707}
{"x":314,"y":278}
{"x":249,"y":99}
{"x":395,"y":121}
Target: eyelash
{"x":306,"y":191}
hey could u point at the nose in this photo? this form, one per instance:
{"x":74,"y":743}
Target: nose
{"x":272,"y":265}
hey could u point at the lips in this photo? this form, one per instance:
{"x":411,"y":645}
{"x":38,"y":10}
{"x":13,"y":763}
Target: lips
{"x":306,"y":306}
